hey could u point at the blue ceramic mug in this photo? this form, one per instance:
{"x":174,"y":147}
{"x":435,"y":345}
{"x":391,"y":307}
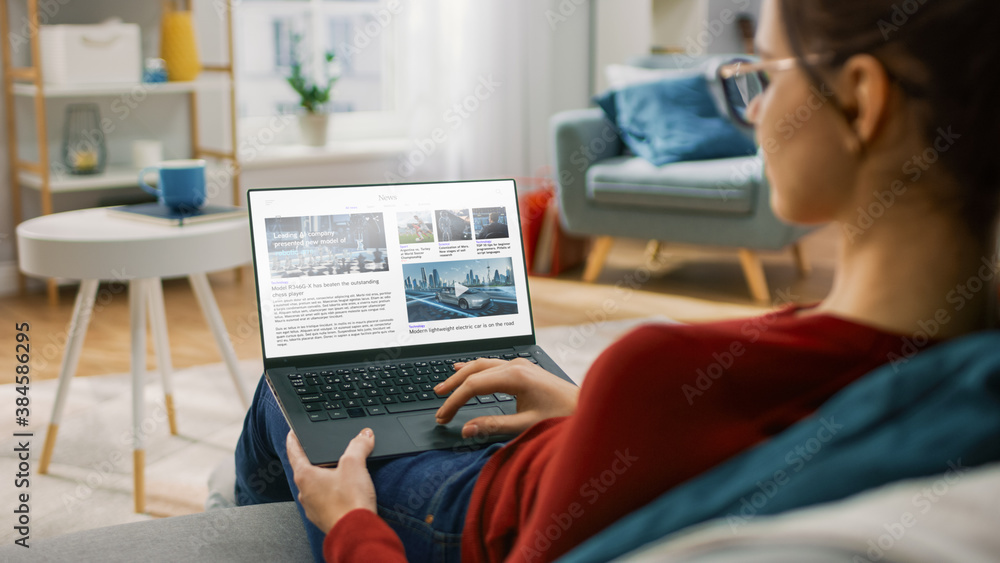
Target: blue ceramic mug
{"x":181,"y":186}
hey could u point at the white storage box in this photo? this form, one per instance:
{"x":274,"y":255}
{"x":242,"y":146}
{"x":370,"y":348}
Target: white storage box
{"x":91,"y":54}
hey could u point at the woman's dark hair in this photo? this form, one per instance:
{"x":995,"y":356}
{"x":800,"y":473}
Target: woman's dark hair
{"x":941,"y":53}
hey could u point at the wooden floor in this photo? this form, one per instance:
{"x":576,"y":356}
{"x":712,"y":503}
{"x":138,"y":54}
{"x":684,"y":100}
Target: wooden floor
{"x":684,"y":283}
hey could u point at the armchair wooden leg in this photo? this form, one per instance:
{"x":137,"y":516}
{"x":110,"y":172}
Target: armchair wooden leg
{"x":595,"y":260}
{"x":754,"y":272}
{"x":801,"y":262}
{"x":653,"y":248}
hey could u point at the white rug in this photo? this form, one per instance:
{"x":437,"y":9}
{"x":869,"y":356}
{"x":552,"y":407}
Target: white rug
{"x":89,"y":483}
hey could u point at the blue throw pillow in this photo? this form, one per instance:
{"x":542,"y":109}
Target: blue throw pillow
{"x":606,"y":102}
{"x":673,"y":120}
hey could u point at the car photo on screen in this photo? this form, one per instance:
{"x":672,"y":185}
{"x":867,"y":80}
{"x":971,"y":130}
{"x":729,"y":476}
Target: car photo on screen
{"x":460,"y":289}
{"x":465,"y":299}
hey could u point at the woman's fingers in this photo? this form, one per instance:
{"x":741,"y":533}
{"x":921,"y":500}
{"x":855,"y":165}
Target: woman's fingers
{"x":296,"y":455}
{"x":326,"y":494}
{"x":358,"y":450}
{"x":464,"y":371}
{"x":483,"y":383}
{"x":499,"y":424}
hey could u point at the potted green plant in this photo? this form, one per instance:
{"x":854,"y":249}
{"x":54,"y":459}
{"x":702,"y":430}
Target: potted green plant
{"x":314,"y":93}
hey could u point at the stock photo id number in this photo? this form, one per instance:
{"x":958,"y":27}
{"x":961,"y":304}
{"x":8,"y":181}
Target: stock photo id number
{"x":22,"y":438}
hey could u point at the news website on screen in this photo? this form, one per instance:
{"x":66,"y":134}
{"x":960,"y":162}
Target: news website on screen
{"x":360,"y":268}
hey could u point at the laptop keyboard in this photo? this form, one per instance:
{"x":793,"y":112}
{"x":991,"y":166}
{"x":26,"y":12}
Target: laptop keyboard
{"x":373,"y":390}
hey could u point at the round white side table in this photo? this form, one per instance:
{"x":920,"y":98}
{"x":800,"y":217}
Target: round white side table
{"x":93,"y":245}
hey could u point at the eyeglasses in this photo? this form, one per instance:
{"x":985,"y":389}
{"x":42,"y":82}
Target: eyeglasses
{"x":743,"y":80}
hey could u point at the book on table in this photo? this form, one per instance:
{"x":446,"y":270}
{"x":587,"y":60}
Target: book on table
{"x":163,"y":215}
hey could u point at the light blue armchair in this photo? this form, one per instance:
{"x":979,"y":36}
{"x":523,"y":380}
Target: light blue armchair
{"x":606,"y":193}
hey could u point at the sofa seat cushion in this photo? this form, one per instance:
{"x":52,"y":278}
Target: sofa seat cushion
{"x":725,"y":186}
{"x":263,"y":532}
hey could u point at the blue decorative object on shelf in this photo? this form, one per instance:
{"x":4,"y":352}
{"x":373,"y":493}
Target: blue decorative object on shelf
{"x":154,"y":71}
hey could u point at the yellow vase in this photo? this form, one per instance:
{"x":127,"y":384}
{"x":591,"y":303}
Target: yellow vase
{"x":178,"y":47}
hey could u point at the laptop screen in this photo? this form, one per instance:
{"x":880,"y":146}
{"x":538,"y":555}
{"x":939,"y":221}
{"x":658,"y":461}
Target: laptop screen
{"x":344,"y":269}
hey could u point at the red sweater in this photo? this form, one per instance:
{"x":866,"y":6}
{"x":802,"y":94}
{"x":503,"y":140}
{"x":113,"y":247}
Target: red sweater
{"x":660,"y":406}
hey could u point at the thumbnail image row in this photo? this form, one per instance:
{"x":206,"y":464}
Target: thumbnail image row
{"x":355,"y":243}
{"x":445,"y":225}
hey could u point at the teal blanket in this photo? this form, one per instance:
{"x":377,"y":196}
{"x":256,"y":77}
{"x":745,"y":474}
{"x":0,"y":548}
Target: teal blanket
{"x":937,"y":412}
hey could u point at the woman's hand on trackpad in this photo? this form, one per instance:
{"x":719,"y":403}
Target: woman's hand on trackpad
{"x":540,"y":395}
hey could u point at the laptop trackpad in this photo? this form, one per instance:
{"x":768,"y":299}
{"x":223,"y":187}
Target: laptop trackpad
{"x":425,"y":432}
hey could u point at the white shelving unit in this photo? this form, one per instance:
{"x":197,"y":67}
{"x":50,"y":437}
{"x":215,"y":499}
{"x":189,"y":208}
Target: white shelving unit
{"x":112,"y":177}
{"x":79,"y":91}
{"x":26,"y":82}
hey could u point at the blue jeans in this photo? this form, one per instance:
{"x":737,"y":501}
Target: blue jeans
{"x":424,"y":498}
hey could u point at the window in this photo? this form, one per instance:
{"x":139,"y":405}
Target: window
{"x":354,"y":30}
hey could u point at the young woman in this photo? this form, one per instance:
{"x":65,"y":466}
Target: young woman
{"x":875,"y":114}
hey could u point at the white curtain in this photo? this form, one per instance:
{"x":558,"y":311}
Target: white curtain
{"x":480,"y":80}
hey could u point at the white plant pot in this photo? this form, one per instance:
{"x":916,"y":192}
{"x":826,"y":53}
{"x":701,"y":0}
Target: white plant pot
{"x":313,"y":128}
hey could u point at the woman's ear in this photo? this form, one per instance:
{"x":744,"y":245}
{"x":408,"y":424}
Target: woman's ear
{"x":864,"y":94}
